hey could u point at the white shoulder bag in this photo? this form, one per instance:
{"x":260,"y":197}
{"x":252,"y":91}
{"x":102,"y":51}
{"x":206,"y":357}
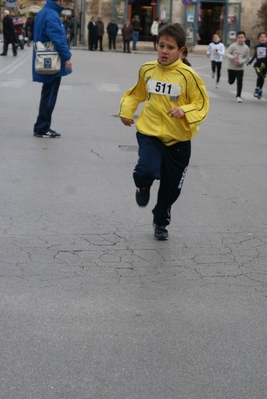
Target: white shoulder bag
{"x":47,"y":61}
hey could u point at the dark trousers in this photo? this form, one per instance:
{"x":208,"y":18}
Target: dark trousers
{"x":155,"y":37}
{"x":216,"y":65}
{"x":238,"y":76}
{"x":165,"y":163}
{"x":99,"y":40}
{"x":91,"y":42}
{"x":47,"y":105}
{"x":126,"y":46}
{"x":260,"y":82}
{"x":111,"y":43}
{"x":8,"y":40}
{"x":260,"y":69}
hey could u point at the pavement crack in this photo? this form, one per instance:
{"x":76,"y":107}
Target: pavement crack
{"x":96,"y":153}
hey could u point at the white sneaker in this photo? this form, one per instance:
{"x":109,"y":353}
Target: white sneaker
{"x":217,"y":85}
{"x":238,"y":99}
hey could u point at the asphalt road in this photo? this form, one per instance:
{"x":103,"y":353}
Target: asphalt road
{"x":92,"y":307}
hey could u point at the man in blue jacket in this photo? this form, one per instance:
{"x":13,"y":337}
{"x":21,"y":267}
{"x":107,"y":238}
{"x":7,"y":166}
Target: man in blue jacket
{"x":48,"y":27}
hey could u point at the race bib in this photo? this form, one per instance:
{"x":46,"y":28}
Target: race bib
{"x":164,"y":88}
{"x":261,"y":52}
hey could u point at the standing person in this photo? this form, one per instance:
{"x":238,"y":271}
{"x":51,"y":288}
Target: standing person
{"x":216,"y":52}
{"x":127,"y":31}
{"x":9,"y":34}
{"x":136,"y":29}
{"x":112,"y":30}
{"x":176,"y":102}
{"x":29,"y":30}
{"x":238,"y":55}
{"x":49,"y":27}
{"x":92,"y":34}
{"x":73,"y":27}
{"x":163,"y":22}
{"x":100,"y":33}
{"x":261,"y":63}
{"x":154,"y":32}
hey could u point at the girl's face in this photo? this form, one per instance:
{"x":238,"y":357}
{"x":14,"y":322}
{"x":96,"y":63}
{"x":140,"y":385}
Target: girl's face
{"x":263,"y":38}
{"x":216,"y":38}
{"x":168,"y":50}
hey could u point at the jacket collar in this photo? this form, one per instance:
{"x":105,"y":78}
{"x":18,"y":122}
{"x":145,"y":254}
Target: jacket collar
{"x":175,"y":64}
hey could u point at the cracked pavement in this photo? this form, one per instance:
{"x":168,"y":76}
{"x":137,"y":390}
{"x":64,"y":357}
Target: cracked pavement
{"x":92,"y":307}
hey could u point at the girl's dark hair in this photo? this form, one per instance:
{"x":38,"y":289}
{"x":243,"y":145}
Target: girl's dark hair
{"x":174,"y":30}
{"x":185,"y":60}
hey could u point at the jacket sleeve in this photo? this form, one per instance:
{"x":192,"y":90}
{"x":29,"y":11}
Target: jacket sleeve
{"x":228,"y":52}
{"x":132,"y":98}
{"x":55,"y":33}
{"x":245,"y":57}
{"x":221,"y":50}
{"x":197,"y":108}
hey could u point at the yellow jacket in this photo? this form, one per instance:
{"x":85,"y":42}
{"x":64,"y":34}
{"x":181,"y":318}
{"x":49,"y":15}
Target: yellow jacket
{"x":163,"y":87}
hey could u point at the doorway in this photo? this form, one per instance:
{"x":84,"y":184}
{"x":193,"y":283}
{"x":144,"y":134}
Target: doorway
{"x":211,"y":21}
{"x":147,"y":14}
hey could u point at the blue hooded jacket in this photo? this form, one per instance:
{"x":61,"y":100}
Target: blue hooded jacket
{"x":48,"y":27}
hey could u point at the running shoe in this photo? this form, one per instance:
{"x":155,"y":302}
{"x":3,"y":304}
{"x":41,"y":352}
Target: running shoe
{"x":142,"y":195}
{"x":161,"y":233}
{"x":256,"y":92}
{"x":259,"y":94}
{"x":51,"y":134}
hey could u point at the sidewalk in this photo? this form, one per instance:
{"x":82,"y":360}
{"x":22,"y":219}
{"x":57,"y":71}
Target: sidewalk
{"x":147,"y":47}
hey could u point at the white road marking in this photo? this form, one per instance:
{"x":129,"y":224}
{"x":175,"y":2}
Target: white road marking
{"x":14,"y":83}
{"x":108,"y":87}
{"x":18,"y":64}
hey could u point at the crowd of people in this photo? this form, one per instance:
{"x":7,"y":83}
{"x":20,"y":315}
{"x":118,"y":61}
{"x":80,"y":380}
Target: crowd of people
{"x":130,"y":32}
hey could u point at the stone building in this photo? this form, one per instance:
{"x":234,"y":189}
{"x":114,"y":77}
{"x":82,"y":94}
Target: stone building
{"x":201,"y":19}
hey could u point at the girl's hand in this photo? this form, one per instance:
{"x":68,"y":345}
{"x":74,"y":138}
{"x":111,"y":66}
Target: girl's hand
{"x":127,"y":122}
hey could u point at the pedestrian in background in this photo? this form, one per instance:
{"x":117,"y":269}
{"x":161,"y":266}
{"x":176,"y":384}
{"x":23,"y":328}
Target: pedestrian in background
{"x":29,"y":24}
{"x":216,"y":52}
{"x":154,"y":32}
{"x":238,"y":55}
{"x":92,"y":34}
{"x":73,"y":27}
{"x":100,"y":33}
{"x":261,"y":63}
{"x":127,"y":31}
{"x":175,"y":103}
{"x":112,"y":30}
{"x":163,"y":22}
{"x":136,"y":30}
{"x":49,"y":27}
{"x":9,"y":34}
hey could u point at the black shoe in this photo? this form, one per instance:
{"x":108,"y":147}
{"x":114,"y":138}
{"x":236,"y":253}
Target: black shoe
{"x":161,"y":233}
{"x":142,"y":195}
{"x":3,"y":54}
{"x":51,"y":134}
